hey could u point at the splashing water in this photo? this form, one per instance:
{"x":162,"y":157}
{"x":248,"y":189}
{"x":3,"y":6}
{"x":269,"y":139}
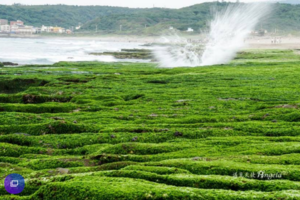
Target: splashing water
{"x":228,"y":32}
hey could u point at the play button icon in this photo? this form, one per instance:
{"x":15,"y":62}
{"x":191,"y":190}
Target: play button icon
{"x":14,"y":183}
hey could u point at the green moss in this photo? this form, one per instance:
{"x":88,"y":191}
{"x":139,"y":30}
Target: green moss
{"x":135,"y":131}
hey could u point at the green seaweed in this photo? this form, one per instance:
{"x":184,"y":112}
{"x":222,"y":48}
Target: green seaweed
{"x":92,"y":130}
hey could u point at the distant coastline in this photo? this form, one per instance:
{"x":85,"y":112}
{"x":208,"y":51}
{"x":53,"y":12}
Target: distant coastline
{"x":107,"y":38}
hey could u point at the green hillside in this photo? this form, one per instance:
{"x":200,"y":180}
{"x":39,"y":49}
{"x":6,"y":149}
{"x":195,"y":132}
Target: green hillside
{"x":60,"y":15}
{"x":285,"y":17}
{"x":153,"y":21}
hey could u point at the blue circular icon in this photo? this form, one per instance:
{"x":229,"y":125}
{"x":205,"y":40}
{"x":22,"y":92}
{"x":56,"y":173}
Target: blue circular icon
{"x":14,"y":183}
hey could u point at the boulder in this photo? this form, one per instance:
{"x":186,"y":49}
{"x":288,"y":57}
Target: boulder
{"x":62,"y":170}
{"x":9,"y":64}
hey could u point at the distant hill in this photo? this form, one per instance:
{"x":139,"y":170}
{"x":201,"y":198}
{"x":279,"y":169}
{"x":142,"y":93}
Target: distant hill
{"x":153,"y":21}
{"x":285,"y":17}
{"x":118,"y":20}
{"x":60,"y":15}
{"x":291,"y":1}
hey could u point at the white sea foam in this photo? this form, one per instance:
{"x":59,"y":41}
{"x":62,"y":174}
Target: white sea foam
{"x":49,"y":51}
{"x":227,"y":32}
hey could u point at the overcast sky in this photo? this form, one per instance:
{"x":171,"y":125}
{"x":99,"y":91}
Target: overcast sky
{"x":122,"y":3}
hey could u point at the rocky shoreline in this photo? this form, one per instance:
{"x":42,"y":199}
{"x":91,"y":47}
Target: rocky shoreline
{"x":2,"y":64}
{"x":144,"y":54}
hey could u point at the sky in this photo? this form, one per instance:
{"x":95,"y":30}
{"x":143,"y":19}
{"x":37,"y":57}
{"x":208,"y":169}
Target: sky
{"x":122,"y":3}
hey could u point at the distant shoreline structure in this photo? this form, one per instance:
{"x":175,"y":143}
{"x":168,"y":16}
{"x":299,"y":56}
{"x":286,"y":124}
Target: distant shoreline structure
{"x":19,"y":28}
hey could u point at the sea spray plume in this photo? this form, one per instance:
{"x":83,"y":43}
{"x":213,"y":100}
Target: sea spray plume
{"x":178,"y":51}
{"x":228,"y":31}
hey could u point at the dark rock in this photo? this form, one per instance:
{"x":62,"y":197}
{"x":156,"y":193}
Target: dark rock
{"x":128,"y":54}
{"x":27,"y":98}
{"x":9,"y":64}
{"x":164,"y":130}
{"x":265,"y":116}
{"x":57,"y":118}
{"x":178,"y":134}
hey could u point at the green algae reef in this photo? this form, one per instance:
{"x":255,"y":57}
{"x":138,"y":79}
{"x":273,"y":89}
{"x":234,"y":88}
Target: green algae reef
{"x":135,"y":131}
{"x":128,"y":54}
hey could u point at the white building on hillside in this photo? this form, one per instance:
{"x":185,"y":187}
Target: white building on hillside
{"x":47,"y":29}
{"x":26,"y":30}
{"x":5,"y":28}
{"x":190,"y":30}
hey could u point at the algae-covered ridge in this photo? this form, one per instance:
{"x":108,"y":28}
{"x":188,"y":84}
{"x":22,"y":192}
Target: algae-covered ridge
{"x":90,"y":130}
{"x":128,"y":54}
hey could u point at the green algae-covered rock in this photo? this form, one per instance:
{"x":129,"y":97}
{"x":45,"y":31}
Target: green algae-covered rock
{"x":91,"y":130}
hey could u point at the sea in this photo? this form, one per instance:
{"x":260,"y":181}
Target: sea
{"x":25,"y":51}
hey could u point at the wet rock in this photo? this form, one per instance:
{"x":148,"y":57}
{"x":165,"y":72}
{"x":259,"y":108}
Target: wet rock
{"x":164,"y":130}
{"x":128,"y":54}
{"x":57,"y":118}
{"x":197,"y":158}
{"x":25,"y":134}
{"x":27,"y":98}
{"x":62,"y":170}
{"x":77,"y":110}
{"x":287,"y":106}
{"x":9,"y":64}
{"x":153,"y":115}
{"x":181,"y":101}
{"x":178,"y":134}
{"x":266,"y":115}
{"x":228,"y":99}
